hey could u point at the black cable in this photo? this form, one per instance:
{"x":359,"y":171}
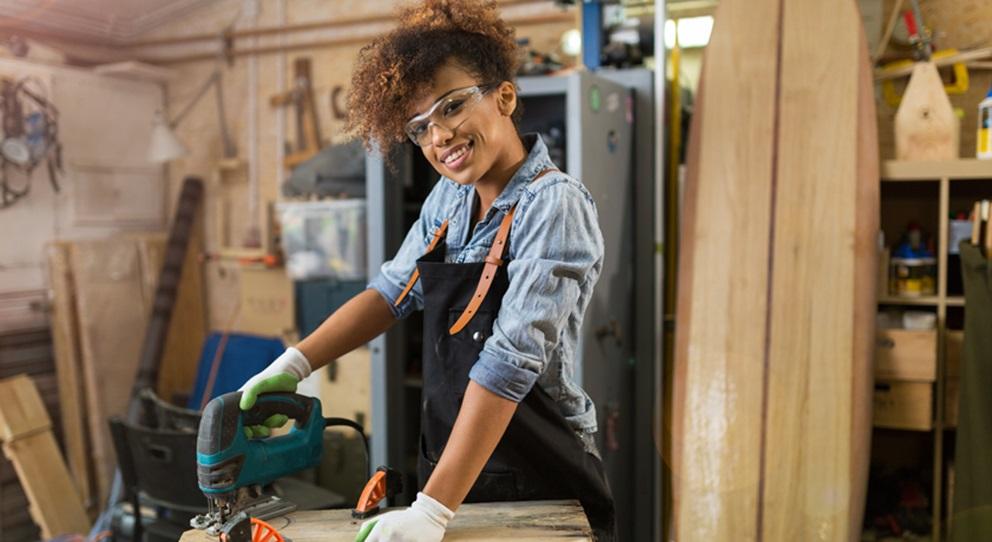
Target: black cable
{"x":345,"y":422}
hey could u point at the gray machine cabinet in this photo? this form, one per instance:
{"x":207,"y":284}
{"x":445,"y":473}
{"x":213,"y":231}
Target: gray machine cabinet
{"x":588,"y":122}
{"x":598,"y":131}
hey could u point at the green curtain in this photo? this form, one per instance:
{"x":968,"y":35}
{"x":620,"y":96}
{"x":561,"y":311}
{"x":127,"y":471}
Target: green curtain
{"x":972,"y":517}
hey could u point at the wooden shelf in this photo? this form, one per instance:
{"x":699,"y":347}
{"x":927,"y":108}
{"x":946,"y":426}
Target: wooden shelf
{"x":955,"y":301}
{"x":963,"y":169}
{"x":931,"y":301}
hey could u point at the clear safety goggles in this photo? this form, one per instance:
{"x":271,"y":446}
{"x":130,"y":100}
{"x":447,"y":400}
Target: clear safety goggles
{"x":449,"y":111}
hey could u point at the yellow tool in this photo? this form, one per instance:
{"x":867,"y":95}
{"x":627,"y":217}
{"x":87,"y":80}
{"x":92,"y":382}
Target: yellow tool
{"x":958,"y":86}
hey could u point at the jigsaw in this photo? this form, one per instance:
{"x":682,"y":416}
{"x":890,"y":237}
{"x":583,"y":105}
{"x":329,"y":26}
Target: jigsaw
{"x":233,"y":469}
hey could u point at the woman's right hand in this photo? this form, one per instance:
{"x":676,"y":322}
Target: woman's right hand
{"x":283,"y":374}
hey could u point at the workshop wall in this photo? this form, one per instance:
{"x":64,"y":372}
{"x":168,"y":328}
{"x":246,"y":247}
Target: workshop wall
{"x":107,"y":185}
{"x":260,"y":129}
{"x":959,"y":24}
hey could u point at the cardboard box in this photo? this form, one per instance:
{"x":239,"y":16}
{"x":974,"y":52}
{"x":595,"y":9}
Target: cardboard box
{"x":266,"y":303}
{"x":904,"y":405}
{"x":906,"y":355}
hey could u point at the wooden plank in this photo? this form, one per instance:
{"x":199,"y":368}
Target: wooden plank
{"x":777,"y":279}
{"x":65,"y":340}
{"x":28,"y":442}
{"x":722,"y":271}
{"x":483,"y":522}
{"x":933,"y":170}
{"x":112,"y":317}
{"x":188,"y":326}
{"x":926,"y":127}
{"x":823,"y":291}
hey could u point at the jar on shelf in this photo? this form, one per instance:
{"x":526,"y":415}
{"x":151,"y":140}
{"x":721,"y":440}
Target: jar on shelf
{"x":913,"y":277}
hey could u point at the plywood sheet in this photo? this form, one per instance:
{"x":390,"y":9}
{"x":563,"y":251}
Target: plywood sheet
{"x":187,"y":326}
{"x":484,"y":522}
{"x":113,"y":313}
{"x":776,"y":291}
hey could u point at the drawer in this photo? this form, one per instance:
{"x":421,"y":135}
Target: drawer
{"x":903,"y":405}
{"x":955,"y":353}
{"x":902,"y":354}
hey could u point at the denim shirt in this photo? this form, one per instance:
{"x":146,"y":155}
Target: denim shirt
{"x":555,"y":256}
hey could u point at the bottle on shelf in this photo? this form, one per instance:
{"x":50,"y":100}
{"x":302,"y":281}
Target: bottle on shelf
{"x":984,"y":139}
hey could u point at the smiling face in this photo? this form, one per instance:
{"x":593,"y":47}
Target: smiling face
{"x":468,"y":152}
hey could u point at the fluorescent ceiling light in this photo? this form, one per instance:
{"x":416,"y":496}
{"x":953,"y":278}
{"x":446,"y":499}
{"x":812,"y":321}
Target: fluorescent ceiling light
{"x":692,"y":31}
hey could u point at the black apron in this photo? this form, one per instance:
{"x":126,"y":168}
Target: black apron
{"x":539,"y":457}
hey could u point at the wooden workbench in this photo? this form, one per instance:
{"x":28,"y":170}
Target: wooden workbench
{"x":561,"y":521}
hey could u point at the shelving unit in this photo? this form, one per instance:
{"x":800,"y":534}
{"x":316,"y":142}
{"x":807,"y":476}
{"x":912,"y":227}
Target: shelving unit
{"x":907,"y":187}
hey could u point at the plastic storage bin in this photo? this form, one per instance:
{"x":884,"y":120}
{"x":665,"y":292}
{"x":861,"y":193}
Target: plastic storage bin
{"x":324,"y":239}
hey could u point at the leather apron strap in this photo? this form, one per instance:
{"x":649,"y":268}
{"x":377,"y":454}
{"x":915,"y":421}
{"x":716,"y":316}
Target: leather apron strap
{"x":438,"y":235}
{"x":493,"y":260}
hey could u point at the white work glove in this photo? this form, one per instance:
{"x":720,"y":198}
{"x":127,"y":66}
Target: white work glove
{"x":283,"y":374}
{"x":424,"y":521}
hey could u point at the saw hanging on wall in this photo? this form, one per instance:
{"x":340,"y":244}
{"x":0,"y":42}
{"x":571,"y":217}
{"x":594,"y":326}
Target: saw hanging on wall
{"x":30,"y":137}
{"x":308,"y":139}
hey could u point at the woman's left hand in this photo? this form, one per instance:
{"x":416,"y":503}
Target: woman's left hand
{"x":424,"y":521}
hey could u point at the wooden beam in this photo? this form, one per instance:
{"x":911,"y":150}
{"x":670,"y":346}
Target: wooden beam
{"x":331,"y":42}
{"x":25,"y":429}
{"x":65,"y":339}
{"x":292,"y":28}
{"x":882,"y":74}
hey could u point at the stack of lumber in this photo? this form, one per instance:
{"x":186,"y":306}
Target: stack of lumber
{"x":27,"y":350}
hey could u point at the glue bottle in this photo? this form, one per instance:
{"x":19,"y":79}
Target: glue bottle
{"x":984,"y":141}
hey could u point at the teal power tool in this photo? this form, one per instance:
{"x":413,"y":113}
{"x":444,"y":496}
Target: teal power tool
{"x":233,"y":468}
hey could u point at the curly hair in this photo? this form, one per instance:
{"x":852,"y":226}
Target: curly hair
{"x":392,"y":70}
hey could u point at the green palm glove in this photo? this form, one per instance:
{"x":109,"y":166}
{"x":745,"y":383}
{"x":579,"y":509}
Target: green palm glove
{"x":283,"y":374}
{"x":279,"y":382}
{"x":363,"y":533}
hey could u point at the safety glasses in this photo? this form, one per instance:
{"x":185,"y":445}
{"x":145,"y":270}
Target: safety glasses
{"x":449,"y":111}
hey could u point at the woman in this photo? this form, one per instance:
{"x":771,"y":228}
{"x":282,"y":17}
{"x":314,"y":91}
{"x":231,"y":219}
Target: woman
{"x":502,"y":261}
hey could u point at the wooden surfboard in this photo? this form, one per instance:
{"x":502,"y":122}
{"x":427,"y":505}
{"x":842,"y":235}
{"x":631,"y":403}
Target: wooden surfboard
{"x":776,"y":297}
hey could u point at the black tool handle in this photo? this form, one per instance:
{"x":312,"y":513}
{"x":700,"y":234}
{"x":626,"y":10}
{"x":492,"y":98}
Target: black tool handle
{"x":219,"y":424}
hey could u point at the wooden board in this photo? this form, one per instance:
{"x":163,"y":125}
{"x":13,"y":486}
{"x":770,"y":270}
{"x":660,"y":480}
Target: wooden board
{"x":926,"y":127}
{"x":113,"y":312}
{"x":188,"y":325}
{"x":25,"y":430}
{"x":561,"y":521}
{"x":65,"y":340}
{"x":775,"y":315}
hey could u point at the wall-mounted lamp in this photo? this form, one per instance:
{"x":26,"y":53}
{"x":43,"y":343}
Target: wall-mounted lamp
{"x":165,"y":146}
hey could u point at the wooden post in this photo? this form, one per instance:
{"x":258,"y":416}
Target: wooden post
{"x":65,"y":340}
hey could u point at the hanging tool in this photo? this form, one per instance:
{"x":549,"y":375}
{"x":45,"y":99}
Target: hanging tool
{"x":919,"y":37}
{"x":926,"y":127}
{"x":959,"y":85}
{"x":386,"y":483}
{"x":30,"y":136}
{"x":233,"y":468}
{"x":308,"y":140}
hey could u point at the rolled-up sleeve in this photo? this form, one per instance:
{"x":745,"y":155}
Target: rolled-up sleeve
{"x":556,"y":248}
{"x":394,"y":274}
